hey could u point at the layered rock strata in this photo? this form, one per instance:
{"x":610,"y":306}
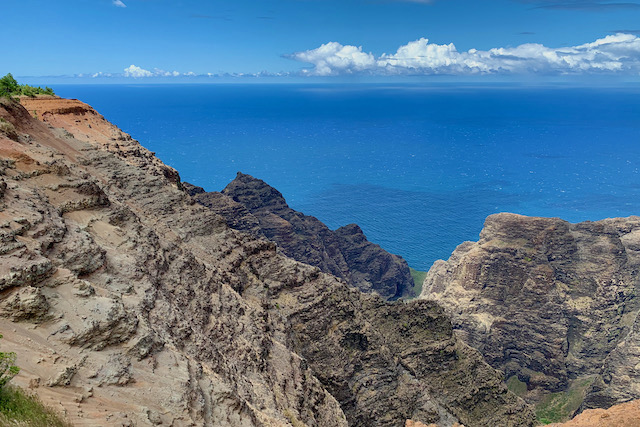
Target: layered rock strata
{"x":129,"y":304}
{"x":261,"y":210}
{"x":554,"y":304}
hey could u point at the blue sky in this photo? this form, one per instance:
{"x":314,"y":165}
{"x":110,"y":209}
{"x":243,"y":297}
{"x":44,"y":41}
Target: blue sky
{"x":162,"y":40}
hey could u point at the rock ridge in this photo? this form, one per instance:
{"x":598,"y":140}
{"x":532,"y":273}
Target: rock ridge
{"x":129,"y":304}
{"x":261,"y":210}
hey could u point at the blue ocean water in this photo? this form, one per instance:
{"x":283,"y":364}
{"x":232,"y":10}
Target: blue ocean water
{"x":418,"y":167}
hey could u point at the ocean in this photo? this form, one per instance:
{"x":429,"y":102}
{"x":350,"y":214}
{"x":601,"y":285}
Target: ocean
{"x":418,"y":166}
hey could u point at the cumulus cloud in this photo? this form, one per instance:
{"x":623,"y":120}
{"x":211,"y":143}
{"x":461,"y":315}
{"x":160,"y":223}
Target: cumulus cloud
{"x":619,"y":53}
{"x":333,"y":58}
{"x":136,"y":72}
{"x":119,"y":3}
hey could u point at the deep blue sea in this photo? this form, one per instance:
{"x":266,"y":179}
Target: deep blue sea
{"x":418,"y":167}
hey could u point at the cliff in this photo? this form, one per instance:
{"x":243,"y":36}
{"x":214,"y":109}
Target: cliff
{"x":130,"y":304}
{"x":554,"y":305}
{"x":345,"y":253}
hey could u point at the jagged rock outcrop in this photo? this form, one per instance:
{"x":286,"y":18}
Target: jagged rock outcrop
{"x":144,"y":308}
{"x":251,"y":205}
{"x":235,"y":214}
{"x":553,"y":303}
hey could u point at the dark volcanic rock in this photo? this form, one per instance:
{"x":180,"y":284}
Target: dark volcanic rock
{"x":235,"y":214}
{"x":261,"y":210}
{"x":369,"y":263}
{"x":550,"y":302}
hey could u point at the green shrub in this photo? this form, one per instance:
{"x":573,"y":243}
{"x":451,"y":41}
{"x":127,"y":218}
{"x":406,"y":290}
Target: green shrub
{"x":8,"y":369}
{"x":18,"y":408}
{"x":28,"y":91}
{"x":10,"y":87}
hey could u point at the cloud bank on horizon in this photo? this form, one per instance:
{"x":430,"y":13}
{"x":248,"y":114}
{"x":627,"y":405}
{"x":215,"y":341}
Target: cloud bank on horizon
{"x":619,"y":54}
{"x":138,"y":72}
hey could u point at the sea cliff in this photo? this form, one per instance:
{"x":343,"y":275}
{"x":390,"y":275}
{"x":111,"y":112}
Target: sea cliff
{"x":553,"y":305}
{"x":129,"y":303}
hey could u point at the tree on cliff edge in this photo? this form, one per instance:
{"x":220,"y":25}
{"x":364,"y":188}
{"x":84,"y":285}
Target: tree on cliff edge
{"x":8,"y":85}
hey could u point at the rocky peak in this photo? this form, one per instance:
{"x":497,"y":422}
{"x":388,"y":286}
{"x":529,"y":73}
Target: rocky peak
{"x":255,"y":194}
{"x":352,"y":230}
{"x":251,"y":205}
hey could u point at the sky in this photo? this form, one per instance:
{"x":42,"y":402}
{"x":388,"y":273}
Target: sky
{"x":190,"y":40}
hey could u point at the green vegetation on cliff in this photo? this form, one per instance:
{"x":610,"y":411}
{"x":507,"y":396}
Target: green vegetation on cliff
{"x":17,"y":408}
{"x":10,"y":87}
{"x":418,"y":280}
{"x":7,"y":368}
{"x":561,"y":406}
{"x":516,"y":386}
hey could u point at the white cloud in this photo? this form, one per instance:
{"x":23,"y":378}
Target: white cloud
{"x":119,"y":3}
{"x":136,"y":72}
{"x":619,"y":53}
{"x":333,"y":58}
{"x":157,"y":72}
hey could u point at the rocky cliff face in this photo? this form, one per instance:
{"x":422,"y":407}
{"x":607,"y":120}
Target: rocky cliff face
{"x":552,"y":303}
{"x":261,"y":210}
{"x":129,"y":304}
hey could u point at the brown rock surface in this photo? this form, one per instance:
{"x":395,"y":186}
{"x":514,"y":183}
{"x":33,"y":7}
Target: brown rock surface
{"x":621,"y":415}
{"x":550,"y":302}
{"x":128,"y":304}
